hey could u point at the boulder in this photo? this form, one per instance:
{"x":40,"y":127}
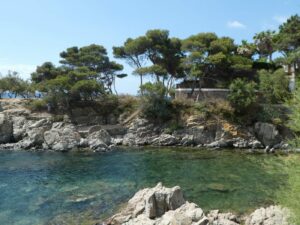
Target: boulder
{"x":273,"y":215}
{"x":159,"y":206}
{"x":129,"y":139}
{"x":99,"y":141}
{"x":267,"y":134}
{"x":165,"y":140}
{"x":6,"y":129}
{"x":62,"y":137}
{"x":19,"y":127}
{"x":202,"y":134}
{"x":33,"y":139}
{"x":187,"y":140}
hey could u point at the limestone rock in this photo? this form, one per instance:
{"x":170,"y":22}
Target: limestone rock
{"x":62,"y":137}
{"x":149,"y":204}
{"x":99,"y":140}
{"x":217,"y":218}
{"x":165,"y":140}
{"x":273,"y":215}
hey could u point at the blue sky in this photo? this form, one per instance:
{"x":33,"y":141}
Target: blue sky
{"x":35,"y":31}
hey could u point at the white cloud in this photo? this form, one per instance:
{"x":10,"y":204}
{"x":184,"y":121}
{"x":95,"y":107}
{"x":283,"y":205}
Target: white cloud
{"x":280,"y":19}
{"x":236,"y":24}
{"x":23,"y":69}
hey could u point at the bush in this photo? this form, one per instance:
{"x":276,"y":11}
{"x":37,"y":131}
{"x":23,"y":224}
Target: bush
{"x":242,"y":94}
{"x":270,"y":114}
{"x":294,"y":116}
{"x":220,"y":108}
{"x":155,"y":105}
{"x":38,"y":105}
{"x":274,"y":86}
{"x":128,"y":104}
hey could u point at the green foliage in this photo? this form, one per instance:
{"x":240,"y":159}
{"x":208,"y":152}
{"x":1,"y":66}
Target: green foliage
{"x":270,"y":113}
{"x":242,"y":94}
{"x":155,"y":105}
{"x":274,"y":86}
{"x":128,"y":104}
{"x":294,"y":116}
{"x":172,"y":126}
{"x":154,"y":54}
{"x":13,"y":83}
{"x":265,"y":43}
{"x":210,"y":58}
{"x":87,"y":89}
{"x":37,"y":105}
{"x":87,"y":73}
{"x":289,"y":35}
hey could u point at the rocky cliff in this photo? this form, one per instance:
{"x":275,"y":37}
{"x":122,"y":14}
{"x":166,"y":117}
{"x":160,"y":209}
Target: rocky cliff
{"x":22,"y":129}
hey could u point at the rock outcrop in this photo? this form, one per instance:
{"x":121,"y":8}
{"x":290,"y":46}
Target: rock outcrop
{"x":22,"y":129}
{"x":273,"y":215}
{"x":267,"y":134}
{"x":6,"y":129}
{"x":166,"y":206}
{"x":159,"y":206}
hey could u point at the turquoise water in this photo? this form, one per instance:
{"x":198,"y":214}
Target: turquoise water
{"x":81,"y":188}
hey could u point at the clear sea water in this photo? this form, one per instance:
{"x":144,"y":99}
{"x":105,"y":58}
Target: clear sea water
{"x":83,"y":188}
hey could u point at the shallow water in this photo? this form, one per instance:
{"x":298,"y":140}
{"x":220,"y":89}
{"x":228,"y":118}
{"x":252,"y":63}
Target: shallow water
{"x":81,"y":188}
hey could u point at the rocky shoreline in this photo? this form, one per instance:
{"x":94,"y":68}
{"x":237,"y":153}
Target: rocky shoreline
{"x":20,"y":129}
{"x":166,"y":206}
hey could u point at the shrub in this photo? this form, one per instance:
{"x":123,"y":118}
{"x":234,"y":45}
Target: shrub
{"x":38,"y":105}
{"x":294,"y":116}
{"x":155,"y":105}
{"x":220,"y":108}
{"x":270,"y":114}
{"x":127,"y":103}
{"x":242,"y":94}
{"x":274,"y":86}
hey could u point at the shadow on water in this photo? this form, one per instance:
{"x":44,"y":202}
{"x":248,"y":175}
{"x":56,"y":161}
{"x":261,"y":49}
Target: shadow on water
{"x":79,"y":188}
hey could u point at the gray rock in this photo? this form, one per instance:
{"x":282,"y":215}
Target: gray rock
{"x":159,"y":206}
{"x":19,"y":127}
{"x":99,"y":141}
{"x":62,"y":137}
{"x":129,"y":139}
{"x":6,"y":129}
{"x":217,"y":218}
{"x":202,"y":134}
{"x":34,"y":138}
{"x":255,"y":144}
{"x":273,"y":215}
{"x":219,"y":144}
{"x":165,"y":140}
{"x":187,"y":140}
{"x":267,"y":133}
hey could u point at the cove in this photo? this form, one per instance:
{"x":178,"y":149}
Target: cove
{"x":82,"y":188}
